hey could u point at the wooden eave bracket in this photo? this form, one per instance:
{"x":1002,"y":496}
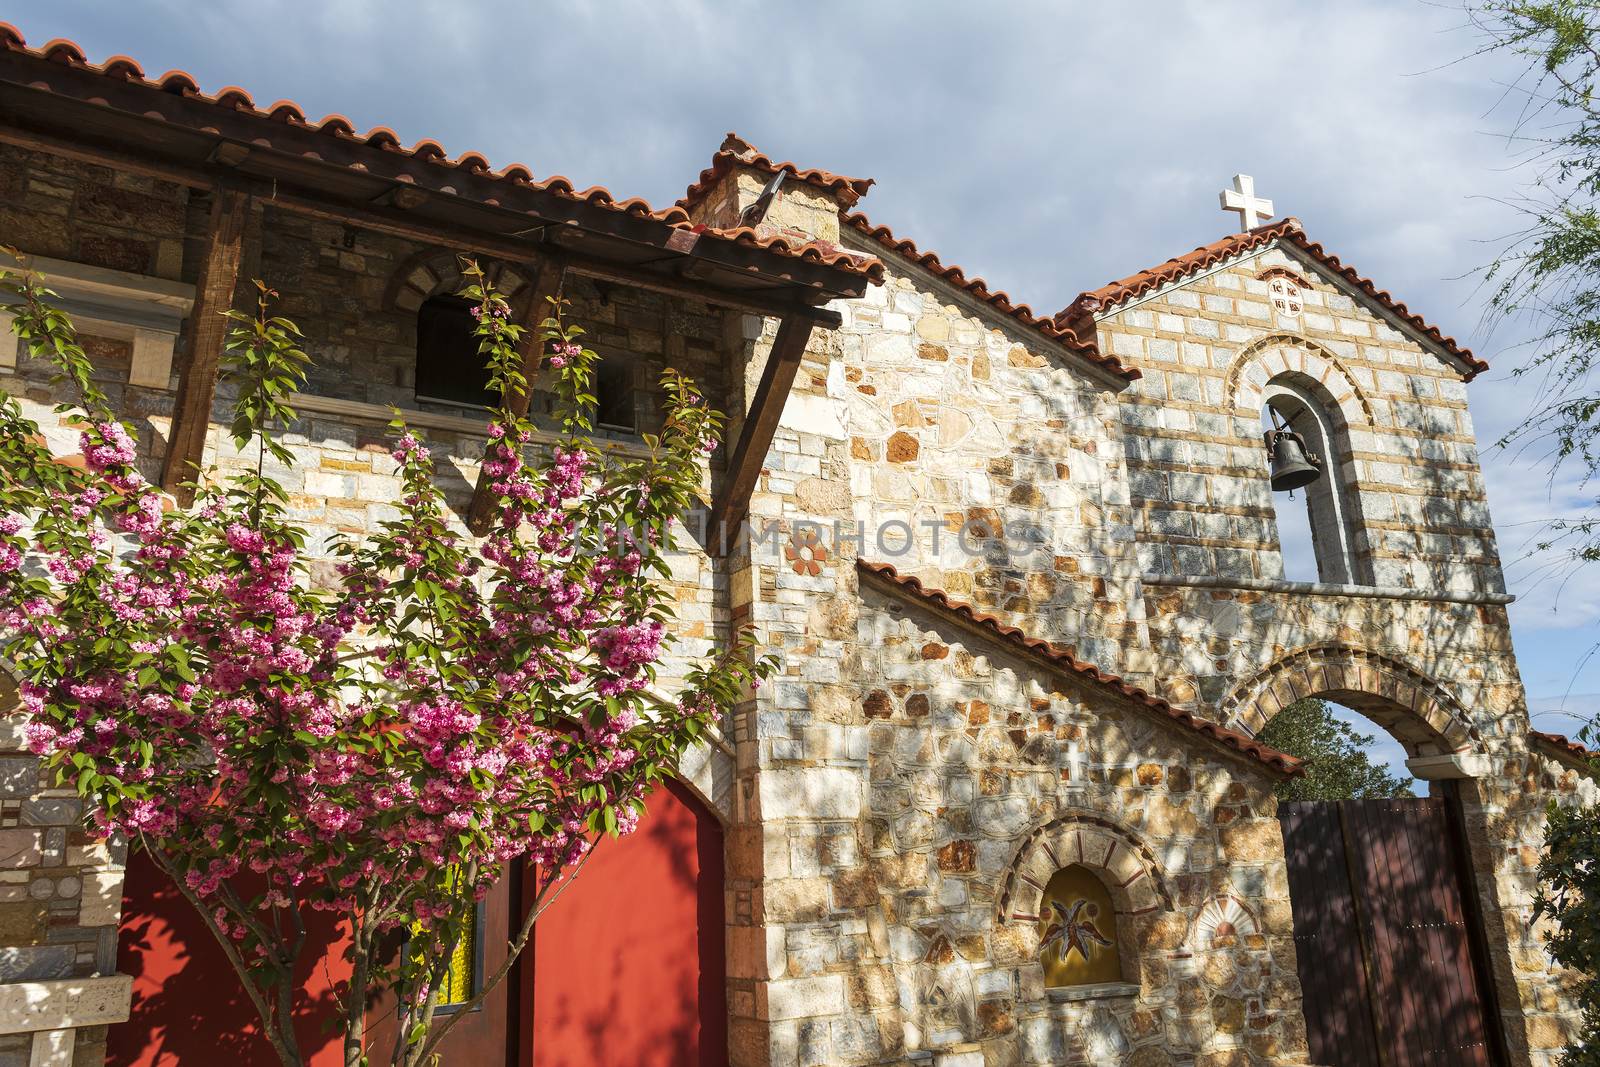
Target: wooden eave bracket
{"x":402,"y":197}
{"x":731,"y":505}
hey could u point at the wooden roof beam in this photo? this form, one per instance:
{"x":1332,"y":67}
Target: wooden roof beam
{"x":399,"y":222}
{"x":204,"y":334}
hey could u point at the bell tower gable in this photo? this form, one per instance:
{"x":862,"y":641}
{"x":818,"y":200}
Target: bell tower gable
{"x":1228,"y":335}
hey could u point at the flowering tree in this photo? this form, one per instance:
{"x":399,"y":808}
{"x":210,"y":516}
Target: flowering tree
{"x":381,"y":750}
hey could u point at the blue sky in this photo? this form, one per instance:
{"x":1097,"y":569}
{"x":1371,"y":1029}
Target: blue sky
{"x":1048,"y":147}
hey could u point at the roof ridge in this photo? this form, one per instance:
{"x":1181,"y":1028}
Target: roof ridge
{"x":735,"y":150}
{"x":1238,"y":743}
{"x":999,"y":299}
{"x":180,"y":83}
{"x":1078,"y":315}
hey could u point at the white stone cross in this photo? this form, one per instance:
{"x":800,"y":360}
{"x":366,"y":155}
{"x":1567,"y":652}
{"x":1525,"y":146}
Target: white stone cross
{"x":1074,"y":763}
{"x":1253,"y":210}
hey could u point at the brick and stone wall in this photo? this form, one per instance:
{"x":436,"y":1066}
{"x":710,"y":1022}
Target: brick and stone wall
{"x":96,"y":215}
{"x":1160,"y":560}
{"x":1427,"y":616}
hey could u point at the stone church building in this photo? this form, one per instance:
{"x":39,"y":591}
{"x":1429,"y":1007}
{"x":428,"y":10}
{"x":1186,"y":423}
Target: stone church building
{"x":1004,"y":804}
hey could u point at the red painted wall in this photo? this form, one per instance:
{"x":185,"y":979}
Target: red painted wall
{"x":628,"y":966}
{"x":189,"y":1009}
{"x":628,"y":962}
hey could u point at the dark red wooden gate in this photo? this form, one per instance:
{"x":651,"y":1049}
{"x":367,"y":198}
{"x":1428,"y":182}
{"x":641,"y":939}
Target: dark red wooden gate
{"x":1383,"y":935}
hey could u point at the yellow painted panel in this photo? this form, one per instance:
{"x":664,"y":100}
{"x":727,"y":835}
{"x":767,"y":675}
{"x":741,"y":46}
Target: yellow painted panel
{"x":1078,"y":930}
{"x":458,"y":980}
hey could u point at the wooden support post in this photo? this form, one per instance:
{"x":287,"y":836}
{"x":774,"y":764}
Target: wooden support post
{"x":546,"y":284}
{"x":760,"y":425}
{"x":204,"y":335}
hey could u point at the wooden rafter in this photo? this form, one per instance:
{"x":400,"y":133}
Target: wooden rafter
{"x":760,"y":426}
{"x":546,"y":284}
{"x":382,"y":218}
{"x":204,"y":334}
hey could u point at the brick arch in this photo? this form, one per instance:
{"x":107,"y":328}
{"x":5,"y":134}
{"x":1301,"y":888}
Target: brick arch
{"x":706,"y":769}
{"x":1281,"y":354}
{"x":433,"y":272}
{"x":1121,"y":860}
{"x":1280,"y":271}
{"x":1417,"y":710}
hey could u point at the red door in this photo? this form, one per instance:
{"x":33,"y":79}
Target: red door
{"x":189,"y":1009}
{"x":626,"y":968}
{"x":628,"y":962}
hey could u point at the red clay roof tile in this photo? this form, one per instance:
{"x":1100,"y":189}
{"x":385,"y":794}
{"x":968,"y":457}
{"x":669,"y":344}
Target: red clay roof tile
{"x":1561,"y":745}
{"x":998,"y":299}
{"x":173,"y":81}
{"x":235,"y":97}
{"x":177,"y":81}
{"x":122,"y":67}
{"x":287,"y":111}
{"x":1079,"y":313}
{"x":1062,"y":659}
{"x":385,"y":138}
{"x":61,"y":50}
{"x":736,"y":150}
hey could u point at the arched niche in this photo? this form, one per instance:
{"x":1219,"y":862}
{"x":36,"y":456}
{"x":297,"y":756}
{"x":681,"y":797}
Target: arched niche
{"x":1050,"y":868}
{"x":1080,"y":935}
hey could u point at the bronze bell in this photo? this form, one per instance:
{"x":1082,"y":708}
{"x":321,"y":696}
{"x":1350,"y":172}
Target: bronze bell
{"x":1292,"y":468}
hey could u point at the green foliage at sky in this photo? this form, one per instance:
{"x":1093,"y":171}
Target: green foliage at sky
{"x":1339,"y":768}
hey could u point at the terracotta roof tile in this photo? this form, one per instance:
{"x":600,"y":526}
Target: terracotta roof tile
{"x":1563,"y":746}
{"x":998,"y":299}
{"x":173,"y":81}
{"x":61,"y":50}
{"x":818,"y":251}
{"x":735,"y":151}
{"x":122,"y":67}
{"x":1064,"y":660}
{"x":287,"y":111}
{"x":235,"y":97}
{"x":1078,"y":315}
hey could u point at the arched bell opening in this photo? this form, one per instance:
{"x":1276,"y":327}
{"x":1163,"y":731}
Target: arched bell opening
{"x":1318,"y":519}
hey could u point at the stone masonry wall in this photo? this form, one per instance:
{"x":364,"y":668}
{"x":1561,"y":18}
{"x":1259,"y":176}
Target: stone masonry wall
{"x":63,"y":209}
{"x":926,"y":413}
{"x":969,"y":753}
{"x":984,"y":460}
{"x":928,"y":410}
{"x":1223,"y":629}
